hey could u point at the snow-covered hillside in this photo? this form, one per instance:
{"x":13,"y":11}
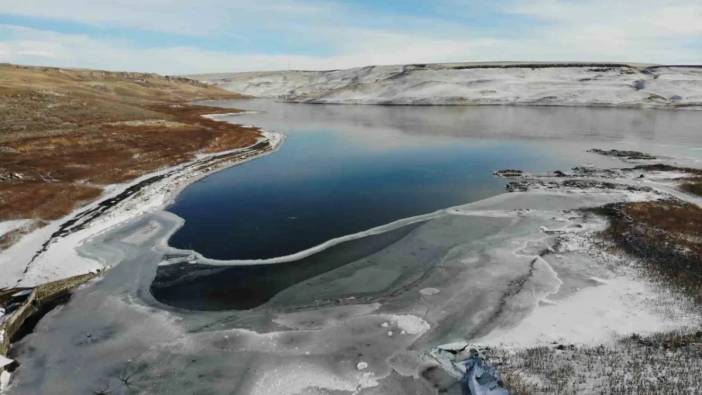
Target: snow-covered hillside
{"x":475,"y":83}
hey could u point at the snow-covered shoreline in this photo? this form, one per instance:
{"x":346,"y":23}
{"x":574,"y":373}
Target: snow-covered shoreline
{"x":483,"y":290}
{"x":24,"y":266}
{"x":537,"y":84}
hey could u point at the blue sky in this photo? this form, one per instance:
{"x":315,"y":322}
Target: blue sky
{"x":182,"y":36}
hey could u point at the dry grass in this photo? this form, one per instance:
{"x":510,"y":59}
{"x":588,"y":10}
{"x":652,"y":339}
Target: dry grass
{"x":694,"y":187}
{"x":656,"y":364}
{"x":64,"y":134}
{"x":666,"y":236}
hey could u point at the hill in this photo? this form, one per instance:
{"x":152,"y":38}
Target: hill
{"x":65,"y":134}
{"x":511,"y":83}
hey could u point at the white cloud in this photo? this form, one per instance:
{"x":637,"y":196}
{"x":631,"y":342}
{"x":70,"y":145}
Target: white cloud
{"x":185,"y":17}
{"x":665,"y":31}
{"x":36,"y":46}
{"x":652,"y":19}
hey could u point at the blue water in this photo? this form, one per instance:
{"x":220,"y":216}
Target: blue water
{"x":344,"y":169}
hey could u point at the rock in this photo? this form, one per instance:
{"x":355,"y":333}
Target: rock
{"x":361,"y":365}
{"x":509,"y":173}
{"x":481,"y":378}
{"x":453,"y":347}
{"x":622,"y":154}
{"x":516,"y":186}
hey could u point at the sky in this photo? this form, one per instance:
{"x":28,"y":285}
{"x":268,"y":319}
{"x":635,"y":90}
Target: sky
{"x":198,"y":36}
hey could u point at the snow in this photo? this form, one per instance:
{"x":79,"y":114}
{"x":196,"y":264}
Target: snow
{"x":429,"y":291}
{"x":455,"y":346}
{"x":4,"y":361}
{"x":318,"y":248}
{"x":61,"y":260}
{"x":4,"y":375}
{"x":456,"y":84}
{"x":313,"y":353}
{"x":411,"y":324}
{"x":616,"y":302}
{"x":4,"y":381}
{"x":9,"y":226}
{"x":594,"y":315}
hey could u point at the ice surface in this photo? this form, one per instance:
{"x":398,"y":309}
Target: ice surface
{"x":61,"y":259}
{"x":471,"y":273}
{"x":482,"y":258}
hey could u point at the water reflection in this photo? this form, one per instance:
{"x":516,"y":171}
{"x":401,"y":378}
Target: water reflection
{"x":345,"y":169}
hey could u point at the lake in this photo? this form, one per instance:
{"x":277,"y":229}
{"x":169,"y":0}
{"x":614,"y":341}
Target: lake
{"x":344,"y":169}
{"x":152,"y":324}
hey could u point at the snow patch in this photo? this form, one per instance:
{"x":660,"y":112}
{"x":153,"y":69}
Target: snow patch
{"x":411,"y":324}
{"x":9,"y":226}
{"x":296,"y":378}
{"x":594,"y":315}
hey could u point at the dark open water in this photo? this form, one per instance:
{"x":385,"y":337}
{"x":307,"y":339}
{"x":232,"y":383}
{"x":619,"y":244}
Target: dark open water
{"x":344,"y":169}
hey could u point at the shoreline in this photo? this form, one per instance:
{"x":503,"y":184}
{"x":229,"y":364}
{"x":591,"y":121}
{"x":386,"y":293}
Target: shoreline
{"x":160,"y":188}
{"x":631,"y":106}
{"x":559,"y":208}
{"x":505,"y":206}
{"x":154,"y":197}
{"x":165,"y":185}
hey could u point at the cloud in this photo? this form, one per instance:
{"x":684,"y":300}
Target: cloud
{"x":651,"y":19}
{"x":658,"y":31}
{"x":183,"y":17}
{"x":233,"y":35}
{"x":36,"y":46}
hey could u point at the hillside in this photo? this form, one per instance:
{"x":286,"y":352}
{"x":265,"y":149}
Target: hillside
{"x":66,"y":134}
{"x":570,"y":84}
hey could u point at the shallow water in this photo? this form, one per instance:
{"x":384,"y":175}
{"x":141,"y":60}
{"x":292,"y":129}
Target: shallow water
{"x":344,"y":169}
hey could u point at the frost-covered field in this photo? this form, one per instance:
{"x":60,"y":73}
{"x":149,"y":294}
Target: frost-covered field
{"x":564,"y":84}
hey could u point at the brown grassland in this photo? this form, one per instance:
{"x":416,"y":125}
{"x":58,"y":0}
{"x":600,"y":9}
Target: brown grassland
{"x":65,"y":134}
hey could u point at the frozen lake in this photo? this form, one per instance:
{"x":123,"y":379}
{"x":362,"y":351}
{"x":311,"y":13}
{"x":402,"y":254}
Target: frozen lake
{"x":159,"y":322}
